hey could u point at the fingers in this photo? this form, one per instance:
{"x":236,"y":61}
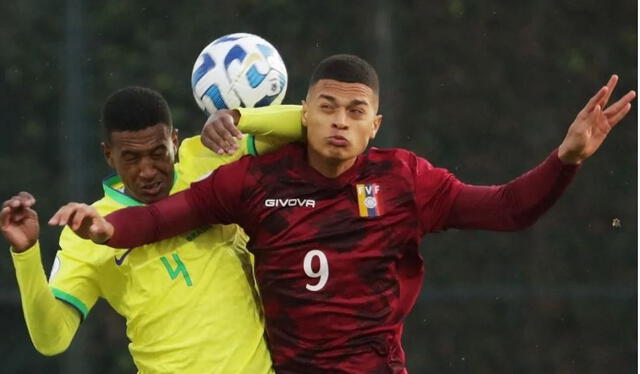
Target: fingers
{"x":220,"y":133}
{"x":595,"y":100}
{"x":22,"y":199}
{"x":5,"y":216}
{"x":72,"y":214}
{"x":19,"y":207}
{"x":611,"y":85}
{"x":617,"y":117}
{"x":614,"y":108}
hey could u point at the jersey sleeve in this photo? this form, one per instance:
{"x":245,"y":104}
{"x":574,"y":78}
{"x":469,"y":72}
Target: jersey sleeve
{"x":515,"y":205}
{"x":218,"y":198}
{"x":215,"y":199}
{"x":51,"y":323}
{"x":73,"y":276}
{"x":196,"y":160}
{"x":436,"y":190}
{"x":272,"y":126}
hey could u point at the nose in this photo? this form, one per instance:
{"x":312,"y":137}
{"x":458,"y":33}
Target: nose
{"x":147,"y":168}
{"x":340,"y":119}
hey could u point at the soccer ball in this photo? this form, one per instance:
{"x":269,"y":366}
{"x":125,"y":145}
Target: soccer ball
{"x":238,"y":70}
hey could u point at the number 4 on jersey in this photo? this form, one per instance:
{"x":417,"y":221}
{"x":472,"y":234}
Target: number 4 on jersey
{"x":179,"y":269}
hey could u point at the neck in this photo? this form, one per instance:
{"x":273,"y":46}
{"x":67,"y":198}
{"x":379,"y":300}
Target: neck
{"x":330,"y":168}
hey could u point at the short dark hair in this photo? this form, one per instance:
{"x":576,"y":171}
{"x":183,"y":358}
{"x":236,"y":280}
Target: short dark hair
{"x":346,"y":68}
{"x":133,"y":109}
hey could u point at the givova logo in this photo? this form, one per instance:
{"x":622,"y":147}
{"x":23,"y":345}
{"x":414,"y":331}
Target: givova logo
{"x":275,"y":203}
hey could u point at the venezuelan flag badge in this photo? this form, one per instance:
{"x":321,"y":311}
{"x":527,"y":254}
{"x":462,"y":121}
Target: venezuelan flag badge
{"x":369,"y":199}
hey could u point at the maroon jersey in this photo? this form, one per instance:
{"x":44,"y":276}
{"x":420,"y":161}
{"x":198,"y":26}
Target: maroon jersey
{"x":337,"y":260}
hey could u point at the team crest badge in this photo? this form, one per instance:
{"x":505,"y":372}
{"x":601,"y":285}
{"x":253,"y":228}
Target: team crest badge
{"x":369,"y":199}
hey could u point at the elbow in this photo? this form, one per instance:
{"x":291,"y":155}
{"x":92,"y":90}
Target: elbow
{"x":49,"y":349}
{"x":521,"y":221}
{"x":51,"y":344}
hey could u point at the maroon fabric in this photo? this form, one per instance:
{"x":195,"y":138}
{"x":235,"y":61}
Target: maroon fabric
{"x":353,"y":324}
{"x":300,"y":222}
{"x":515,"y":205}
{"x":140,"y":225}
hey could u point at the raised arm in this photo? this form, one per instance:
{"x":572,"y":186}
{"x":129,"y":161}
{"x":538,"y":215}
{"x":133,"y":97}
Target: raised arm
{"x":515,"y":205}
{"x":52,"y":324}
{"x":593,"y":123}
{"x":519,"y":203}
{"x":270,"y":128}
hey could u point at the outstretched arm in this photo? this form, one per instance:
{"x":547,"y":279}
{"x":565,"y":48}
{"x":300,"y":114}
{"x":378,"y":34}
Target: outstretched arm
{"x":130,"y":227}
{"x":215,"y":199}
{"x":271,"y":126}
{"x":51,"y":323}
{"x":519,"y":203}
{"x":515,"y":205}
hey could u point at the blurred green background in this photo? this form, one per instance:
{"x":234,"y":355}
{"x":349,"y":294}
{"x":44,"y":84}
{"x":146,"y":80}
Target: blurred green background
{"x":484,"y":88}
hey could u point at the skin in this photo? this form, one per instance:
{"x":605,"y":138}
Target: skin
{"x":341,"y":118}
{"x":338,"y":132}
{"x":145,"y":161}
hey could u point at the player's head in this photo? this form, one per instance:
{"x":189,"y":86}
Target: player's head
{"x":140,"y":142}
{"x":340,"y":111}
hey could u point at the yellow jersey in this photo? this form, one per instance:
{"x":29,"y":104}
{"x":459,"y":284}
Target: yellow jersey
{"x":190,"y":302}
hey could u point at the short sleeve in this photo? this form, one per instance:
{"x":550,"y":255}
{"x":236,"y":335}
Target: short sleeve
{"x":73,"y":276}
{"x":436,"y":190}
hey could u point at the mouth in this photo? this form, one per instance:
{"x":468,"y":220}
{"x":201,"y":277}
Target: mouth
{"x":338,"y":141}
{"x":151,"y":189}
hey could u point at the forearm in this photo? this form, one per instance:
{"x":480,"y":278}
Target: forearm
{"x":282,"y":121}
{"x":52,"y":324}
{"x":515,"y":205}
{"x":164,"y":219}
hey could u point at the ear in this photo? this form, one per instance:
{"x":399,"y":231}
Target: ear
{"x":305,"y":108}
{"x":377,"y":121}
{"x":106,"y":151}
{"x":175,"y":140}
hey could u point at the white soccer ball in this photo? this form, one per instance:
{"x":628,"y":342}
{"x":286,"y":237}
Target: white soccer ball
{"x":238,"y":70}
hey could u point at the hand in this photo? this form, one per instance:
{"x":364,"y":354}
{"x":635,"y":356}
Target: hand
{"x":593,"y":123}
{"x":19,"y":223}
{"x":85,"y":221}
{"x":219,"y":133}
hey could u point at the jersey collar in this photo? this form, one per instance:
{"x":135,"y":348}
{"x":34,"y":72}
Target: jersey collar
{"x":113,"y":187}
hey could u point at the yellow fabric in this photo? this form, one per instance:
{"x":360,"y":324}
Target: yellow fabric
{"x":273,"y":125}
{"x":189,"y":301}
{"x":51,"y":323}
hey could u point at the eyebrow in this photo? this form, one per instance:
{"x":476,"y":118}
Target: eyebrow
{"x":352,"y":103}
{"x":136,"y":152}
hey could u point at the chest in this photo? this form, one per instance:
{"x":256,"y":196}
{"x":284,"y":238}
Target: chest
{"x":168,"y":272}
{"x":287,"y":209}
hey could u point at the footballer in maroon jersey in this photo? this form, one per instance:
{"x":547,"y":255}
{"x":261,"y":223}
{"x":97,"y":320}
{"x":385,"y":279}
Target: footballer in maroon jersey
{"x":335,"y":230}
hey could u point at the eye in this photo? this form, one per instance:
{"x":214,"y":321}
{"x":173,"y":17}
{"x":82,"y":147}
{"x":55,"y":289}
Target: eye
{"x":130,"y":158}
{"x":158,"y":154}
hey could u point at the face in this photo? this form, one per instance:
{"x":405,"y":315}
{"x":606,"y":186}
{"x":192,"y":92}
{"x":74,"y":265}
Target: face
{"x":341,"y":118}
{"x":144,"y":160}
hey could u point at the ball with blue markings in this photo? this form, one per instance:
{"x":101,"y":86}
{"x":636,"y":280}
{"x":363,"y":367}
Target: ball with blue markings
{"x":238,"y":70}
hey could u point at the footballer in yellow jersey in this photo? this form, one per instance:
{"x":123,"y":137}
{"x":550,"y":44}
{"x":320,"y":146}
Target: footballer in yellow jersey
{"x":189,"y":302}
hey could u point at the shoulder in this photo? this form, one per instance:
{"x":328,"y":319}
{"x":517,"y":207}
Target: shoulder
{"x":278,"y":162}
{"x":396,"y":159}
{"x":295,"y":149}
